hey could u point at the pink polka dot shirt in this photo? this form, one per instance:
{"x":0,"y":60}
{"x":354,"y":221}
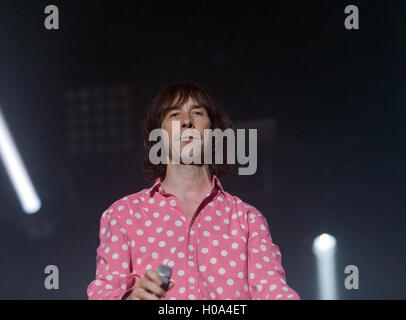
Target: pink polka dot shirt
{"x":225,"y":252}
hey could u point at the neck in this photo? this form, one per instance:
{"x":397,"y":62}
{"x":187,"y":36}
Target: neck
{"x":187,"y":180}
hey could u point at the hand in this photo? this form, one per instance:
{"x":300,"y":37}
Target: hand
{"x":149,"y":287}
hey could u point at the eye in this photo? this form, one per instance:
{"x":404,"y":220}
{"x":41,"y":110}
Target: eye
{"x":174,"y":114}
{"x":199,"y":113}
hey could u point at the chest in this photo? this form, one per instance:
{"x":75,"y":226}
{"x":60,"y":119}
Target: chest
{"x":189,"y":206}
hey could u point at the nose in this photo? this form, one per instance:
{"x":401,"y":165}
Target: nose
{"x":187,"y":123}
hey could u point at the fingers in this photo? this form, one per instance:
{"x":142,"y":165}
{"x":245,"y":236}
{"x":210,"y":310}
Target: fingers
{"x":149,"y":287}
{"x":171,"y":284}
{"x":154,"y":288}
{"x":154,"y":276}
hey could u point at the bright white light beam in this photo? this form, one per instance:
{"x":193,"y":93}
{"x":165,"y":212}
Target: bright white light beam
{"x":324,"y":247}
{"x":16,"y":171}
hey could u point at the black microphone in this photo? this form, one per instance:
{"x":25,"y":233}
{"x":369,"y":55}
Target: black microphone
{"x":165,"y":273}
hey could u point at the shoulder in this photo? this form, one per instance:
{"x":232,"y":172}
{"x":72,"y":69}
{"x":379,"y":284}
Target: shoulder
{"x":123,"y":207}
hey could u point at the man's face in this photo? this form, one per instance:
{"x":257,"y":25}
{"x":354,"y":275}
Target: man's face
{"x":189,"y":116}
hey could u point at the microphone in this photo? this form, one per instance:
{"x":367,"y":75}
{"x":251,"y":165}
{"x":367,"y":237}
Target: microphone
{"x":164,"y":273}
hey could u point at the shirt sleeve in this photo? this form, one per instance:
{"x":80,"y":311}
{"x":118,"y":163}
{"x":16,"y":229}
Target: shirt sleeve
{"x":114,"y":278}
{"x":266,"y":276}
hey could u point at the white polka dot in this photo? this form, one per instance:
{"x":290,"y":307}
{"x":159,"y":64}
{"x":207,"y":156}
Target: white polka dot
{"x":140,"y":232}
{"x":181,"y":238}
{"x":211,"y":279}
{"x":143,"y":249}
{"x":154,"y":255}
{"x":208,"y":218}
{"x":272,"y":287}
{"x":222,"y":271}
{"x":206,"y":233}
{"x":115,"y":256}
{"x":217,"y":228}
{"x":182,"y":290}
{"x":271,"y":273}
{"x":213,"y":260}
{"x":218,"y":212}
{"x":137,"y":215}
{"x":234,"y":232}
{"x":212,"y":295}
{"x":192,"y":280}
{"x":178,"y":223}
{"x":215,"y":243}
{"x":162,"y":244}
{"x":120,"y":208}
{"x":205,"y":250}
{"x":151,"y":201}
{"x":169,"y":233}
{"x":167,"y":217}
{"x":234,"y":245}
{"x":148,"y":223}
{"x":129,"y":222}
{"x":232,"y":263}
{"x":171,"y":264}
{"x":230,"y":282}
{"x":113,"y":222}
{"x":252,"y":275}
{"x":227,"y":221}
{"x":181,"y":273}
{"x":109,"y":277}
{"x":151,"y":239}
{"x":173,"y":203}
{"x":124,"y":265}
{"x":103,"y":230}
{"x":258,"y":266}
{"x":202,"y":268}
{"x":192,"y":296}
{"x":181,"y":255}
{"x":220,"y":290}
{"x":224,"y":253}
{"x":162,"y":203}
{"x":242,"y":256}
{"x":158,"y":230}
{"x":114,"y":238}
{"x":240,"y":275}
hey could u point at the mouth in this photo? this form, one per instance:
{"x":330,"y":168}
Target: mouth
{"x":187,"y":139}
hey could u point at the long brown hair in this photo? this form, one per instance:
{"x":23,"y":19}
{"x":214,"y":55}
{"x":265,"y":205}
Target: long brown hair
{"x":181,"y":92}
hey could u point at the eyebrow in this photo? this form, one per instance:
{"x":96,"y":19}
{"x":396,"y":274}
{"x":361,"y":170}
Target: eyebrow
{"x":176,"y":107}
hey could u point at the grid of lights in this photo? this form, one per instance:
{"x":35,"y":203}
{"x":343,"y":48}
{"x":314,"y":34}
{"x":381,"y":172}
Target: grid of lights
{"x":99,"y":119}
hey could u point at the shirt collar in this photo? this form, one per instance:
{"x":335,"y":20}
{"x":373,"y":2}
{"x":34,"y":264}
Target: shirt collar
{"x":215,"y":185}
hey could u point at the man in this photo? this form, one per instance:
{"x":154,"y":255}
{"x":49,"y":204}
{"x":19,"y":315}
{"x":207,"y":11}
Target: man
{"x":218,"y":246}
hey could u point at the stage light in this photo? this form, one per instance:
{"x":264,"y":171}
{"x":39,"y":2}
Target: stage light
{"x":324,"y":248}
{"x":16,"y":171}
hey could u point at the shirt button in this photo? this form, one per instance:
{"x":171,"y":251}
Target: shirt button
{"x":192,"y":287}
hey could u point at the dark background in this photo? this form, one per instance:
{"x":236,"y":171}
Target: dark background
{"x":334,"y":162}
